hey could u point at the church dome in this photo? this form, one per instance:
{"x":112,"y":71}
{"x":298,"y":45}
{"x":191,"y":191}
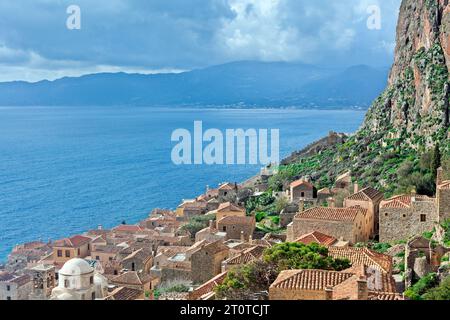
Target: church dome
{"x":76,"y":267}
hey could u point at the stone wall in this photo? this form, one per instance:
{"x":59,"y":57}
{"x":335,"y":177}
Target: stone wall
{"x":443,"y":200}
{"x":403,"y":223}
{"x":173,"y":275}
{"x":206,"y":265}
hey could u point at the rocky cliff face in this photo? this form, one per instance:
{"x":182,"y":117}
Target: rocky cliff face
{"x":415,"y":106}
{"x":406,"y":122}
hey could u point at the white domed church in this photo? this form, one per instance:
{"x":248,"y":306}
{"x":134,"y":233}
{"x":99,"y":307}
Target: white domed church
{"x":78,"y":281}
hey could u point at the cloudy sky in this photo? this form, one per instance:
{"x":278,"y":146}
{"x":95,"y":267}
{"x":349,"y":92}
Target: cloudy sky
{"x":151,"y":36}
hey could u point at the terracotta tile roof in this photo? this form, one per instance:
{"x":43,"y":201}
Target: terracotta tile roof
{"x":366,"y":194}
{"x":324,"y":191}
{"x":345,"y":176}
{"x":403,"y":201}
{"x":331,"y":214}
{"x":317,"y":237}
{"x":385,"y":296}
{"x":444,"y":185}
{"x":228,"y":206}
{"x":232,"y":220}
{"x":310,"y":279}
{"x":131,"y":278}
{"x":73,"y":242}
{"x":106,"y":249}
{"x":363,"y":257}
{"x":247,"y":256}
{"x":227,"y":186}
{"x":301,"y":182}
{"x":208,"y":287}
{"x":22,"y":280}
{"x":128,"y":228}
{"x":141,"y":254}
{"x":124,"y":293}
{"x":170,"y":251}
{"x":213,"y":247}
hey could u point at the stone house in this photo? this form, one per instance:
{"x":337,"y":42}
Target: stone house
{"x":27,"y":255}
{"x":15,"y":287}
{"x":133,"y":280}
{"x":355,"y":283}
{"x":104,"y":253}
{"x":344,"y":181}
{"x":44,"y":280}
{"x":206,"y":290}
{"x":140,"y":260}
{"x":162,"y":256}
{"x":341,"y":223}
{"x":301,"y":190}
{"x":207,"y":260}
{"x":405,"y":216}
{"x":369,"y":199}
{"x":443,"y":196}
{"x":323,"y":195}
{"x":229,"y":209}
{"x":227,"y":192}
{"x":237,"y":227}
{"x":191,"y":208}
{"x":69,"y":248}
{"x":210,"y":234}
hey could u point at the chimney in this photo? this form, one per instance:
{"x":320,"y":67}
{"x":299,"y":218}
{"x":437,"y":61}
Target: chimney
{"x":301,"y":206}
{"x":356,"y":187}
{"x":328,"y":293}
{"x":100,"y":227}
{"x":242,"y":236}
{"x":211,"y":225}
{"x":363,"y":290}
{"x":250,"y":239}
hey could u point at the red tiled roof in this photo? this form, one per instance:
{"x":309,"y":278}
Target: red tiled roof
{"x":301,"y":182}
{"x":247,"y":256}
{"x":227,"y":186}
{"x":366,"y":194}
{"x":131,"y":278}
{"x":310,"y":279}
{"x":124,"y":293}
{"x":403,"y":201}
{"x":208,"y":287}
{"x":363,"y":256}
{"x":317,"y":237}
{"x":332,"y":214}
{"x":232,"y":220}
{"x":73,"y":242}
{"x":128,"y":228}
{"x":229,"y":207}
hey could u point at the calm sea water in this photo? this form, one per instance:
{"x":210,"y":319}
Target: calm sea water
{"x":66,"y":170}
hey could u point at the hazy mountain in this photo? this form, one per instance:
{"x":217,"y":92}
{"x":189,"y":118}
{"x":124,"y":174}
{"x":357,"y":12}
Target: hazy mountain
{"x":248,"y":83}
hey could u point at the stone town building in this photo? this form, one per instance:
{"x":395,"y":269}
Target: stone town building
{"x":227,"y":192}
{"x":15,"y":287}
{"x":77,"y":280}
{"x":69,"y":248}
{"x":140,"y":260}
{"x":207,"y":261}
{"x":229,"y":209}
{"x":44,"y":280}
{"x":356,"y":283}
{"x":133,"y":280}
{"x":405,"y":216}
{"x":210,"y":234}
{"x":369,"y":199}
{"x":237,"y":227}
{"x":191,"y":208}
{"x":342,"y":223}
{"x":344,"y":181}
{"x":104,"y":253}
{"x":443,"y":196}
{"x":301,"y":190}
{"x":27,"y":255}
{"x":323,"y":195}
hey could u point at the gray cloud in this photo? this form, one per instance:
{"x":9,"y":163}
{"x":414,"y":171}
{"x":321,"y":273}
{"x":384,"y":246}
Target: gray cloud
{"x":150,"y":35}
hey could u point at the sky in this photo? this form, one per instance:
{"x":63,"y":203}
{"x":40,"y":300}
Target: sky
{"x":154,"y":36}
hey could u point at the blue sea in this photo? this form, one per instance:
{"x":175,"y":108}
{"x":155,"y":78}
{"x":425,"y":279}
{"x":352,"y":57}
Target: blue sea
{"x":65,"y":170}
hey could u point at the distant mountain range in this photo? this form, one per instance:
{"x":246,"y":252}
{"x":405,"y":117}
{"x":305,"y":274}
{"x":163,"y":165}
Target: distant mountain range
{"x":245,"y":83}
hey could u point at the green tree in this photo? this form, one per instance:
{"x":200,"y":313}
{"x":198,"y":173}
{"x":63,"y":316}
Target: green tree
{"x":418,"y":290}
{"x":300,"y":256}
{"x":436,"y":160}
{"x":198,"y":223}
{"x":442,"y":292}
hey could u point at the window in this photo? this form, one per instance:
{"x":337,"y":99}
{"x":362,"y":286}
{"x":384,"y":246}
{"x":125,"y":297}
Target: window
{"x":60,"y":253}
{"x":404,"y":215}
{"x":89,"y":246}
{"x":93,"y":295}
{"x":78,"y":251}
{"x":8,"y":288}
{"x":91,"y":280}
{"x":110,"y":258}
{"x":66,"y":283}
{"x":67,"y":254}
{"x":302,"y":195}
{"x":386,"y":214}
{"x":133,"y":266}
{"x":115,"y":272}
{"x":224,"y":229}
{"x":423,"y":218}
{"x":97,"y":258}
